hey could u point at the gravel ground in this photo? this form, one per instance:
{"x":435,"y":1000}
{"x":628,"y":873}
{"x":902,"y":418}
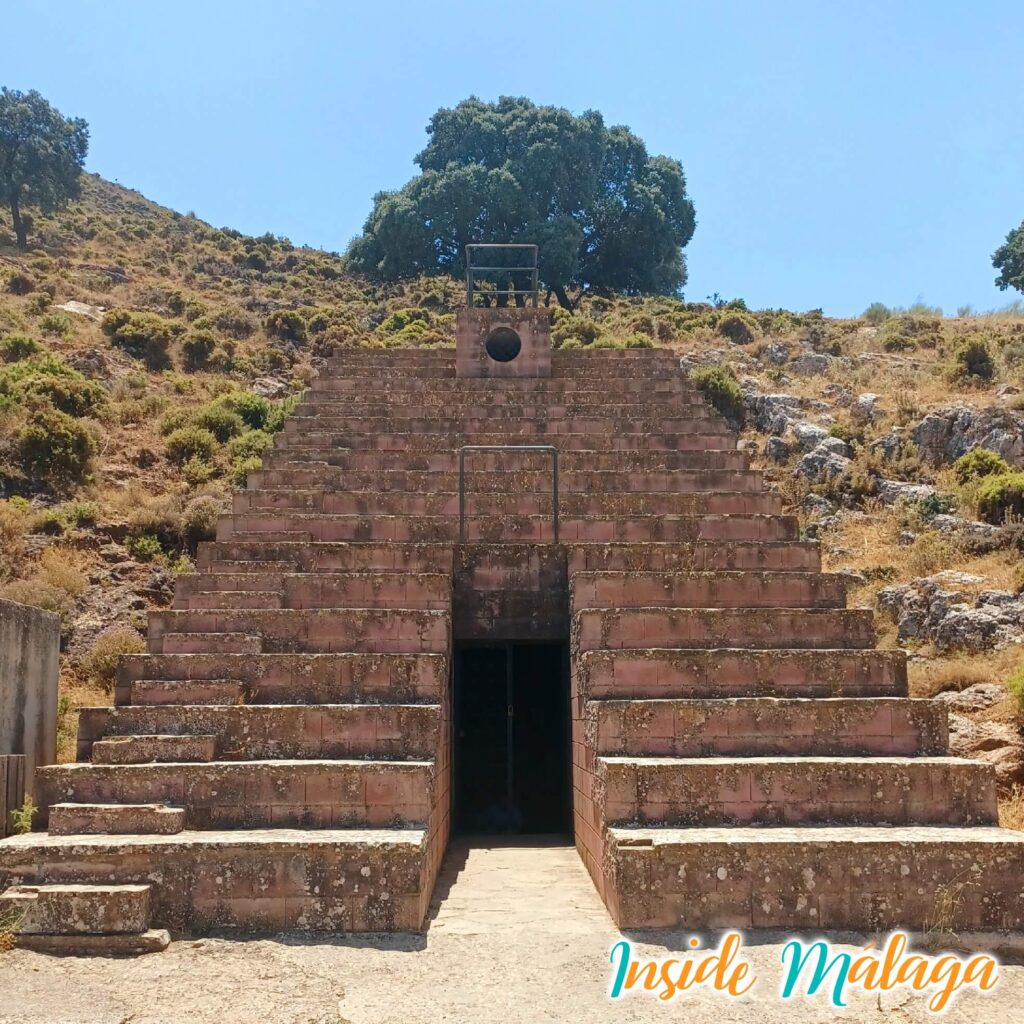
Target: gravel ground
{"x":517,"y":935}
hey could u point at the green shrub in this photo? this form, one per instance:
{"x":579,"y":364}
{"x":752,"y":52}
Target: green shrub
{"x":56,"y":325}
{"x":219,"y":420}
{"x":578,"y":328}
{"x":144,"y":546}
{"x":190,"y":442}
{"x":638,"y":341}
{"x":174,"y":419}
{"x":199,"y":520}
{"x":144,"y":336}
{"x":81,"y":513}
{"x":241,"y":468}
{"x":403,"y":318}
{"x":910,"y":330}
{"x":722,"y":390}
{"x":739,"y":328}
{"x":254,"y":410}
{"x":54,"y":446}
{"x":196,"y":350}
{"x":50,"y":378}
{"x":979,"y":462}
{"x":100,"y":664}
{"x":876,"y":313}
{"x":20,"y":284}
{"x":1000,"y":496}
{"x":233,"y":322}
{"x":38,"y":302}
{"x":973,"y":362}
{"x":286,"y":325}
{"x":251,"y":444}
{"x":16,"y":347}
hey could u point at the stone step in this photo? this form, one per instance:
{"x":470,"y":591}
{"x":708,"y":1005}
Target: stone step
{"x":156,"y":692}
{"x":626,"y":461}
{"x":256,"y":794}
{"x":254,"y":599}
{"x":762,"y":628}
{"x":322,"y":590}
{"x":643,"y":589}
{"x":153,"y":749}
{"x":336,"y":556}
{"x":299,"y":477}
{"x":214,"y":641}
{"x":115,"y":819}
{"x":317,"y":446}
{"x":398,"y":390}
{"x":697,"y":420}
{"x":733,"y":672}
{"x":288,"y":678}
{"x":337,"y":880}
{"x":511,"y":529}
{"x":709,"y":791}
{"x":256,"y":732}
{"x":370,"y":630}
{"x":77,"y":909}
{"x":237,"y":567}
{"x":699,"y":556}
{"x":869,"y":879}
{"x":477,"y":404}
{"x":519,"y":503}
{"x":767,"y":726}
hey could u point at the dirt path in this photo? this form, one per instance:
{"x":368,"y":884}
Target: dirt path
{"x":517,"y":936}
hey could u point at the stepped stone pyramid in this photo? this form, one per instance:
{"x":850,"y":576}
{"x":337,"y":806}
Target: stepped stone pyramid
{"x":282,"y":758}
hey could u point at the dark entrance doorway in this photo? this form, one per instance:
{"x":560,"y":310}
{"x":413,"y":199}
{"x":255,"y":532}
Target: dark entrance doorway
{"x":511,"y":738}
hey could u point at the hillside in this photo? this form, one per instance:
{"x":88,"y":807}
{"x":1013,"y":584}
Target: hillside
{"x":146,"y":358}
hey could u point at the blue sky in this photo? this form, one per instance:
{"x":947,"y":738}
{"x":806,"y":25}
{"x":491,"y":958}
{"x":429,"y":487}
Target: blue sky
{"x":838,"y":153}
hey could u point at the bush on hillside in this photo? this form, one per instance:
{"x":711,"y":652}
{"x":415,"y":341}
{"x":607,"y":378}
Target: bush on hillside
{"x":876,"y":313}
{"x":100,"y":664}
{"x":722,"y":390}
{"x":144,"y":336}
{"x":50,"y":379}
{"x":55,"y":446}
{"x":286,"y":325}
{"x":979,"y":462}
{"x":16,"y":347}
{"x":199,"y":520}
{"x":738,"y":327}
{"x":577,"y":328}
{"x":196,"y":350}
{"x":219,"y":420}
{"x":1000,"y":496}
{"x":190,"y":443}
{"x":973,"y":362}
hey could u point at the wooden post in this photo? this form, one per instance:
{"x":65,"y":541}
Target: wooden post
{"x":12,"y":789}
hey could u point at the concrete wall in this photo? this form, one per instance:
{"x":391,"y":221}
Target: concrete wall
{"x":510,"y":592}
{"x":29,"y":668}
{"x":472,"y":326}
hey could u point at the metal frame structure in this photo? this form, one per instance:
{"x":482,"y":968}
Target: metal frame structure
{"x":551,"y":449}
{"x":472,"y":270}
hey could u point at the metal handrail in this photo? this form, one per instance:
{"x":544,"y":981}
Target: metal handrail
{"x":529,"y":249}
{"x":508,"y":448}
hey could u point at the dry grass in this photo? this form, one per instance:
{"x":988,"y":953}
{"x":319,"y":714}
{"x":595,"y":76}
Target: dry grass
{"x":75,"y":693}
{"x":1011,"y":809}
{"x":929,"y":676}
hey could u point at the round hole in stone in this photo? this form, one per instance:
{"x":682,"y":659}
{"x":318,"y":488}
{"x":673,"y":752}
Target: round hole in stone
{"x":503,"y":344}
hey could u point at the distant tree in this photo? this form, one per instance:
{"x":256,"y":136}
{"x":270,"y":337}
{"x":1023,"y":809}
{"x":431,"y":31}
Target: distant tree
{"x":41,"y":156}
{"x":605,"y":214}
{"x":1008,"y":259}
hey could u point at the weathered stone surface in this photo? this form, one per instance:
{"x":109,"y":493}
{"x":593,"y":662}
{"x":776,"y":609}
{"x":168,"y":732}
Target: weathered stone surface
{"x":77,"y":909}
{"x":115,"y":819}
{"x":945,"y":434}
{"x":961,"y":619}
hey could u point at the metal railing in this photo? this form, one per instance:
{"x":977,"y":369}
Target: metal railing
{"x":510,"y":271}
{"x":551,"y":449}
